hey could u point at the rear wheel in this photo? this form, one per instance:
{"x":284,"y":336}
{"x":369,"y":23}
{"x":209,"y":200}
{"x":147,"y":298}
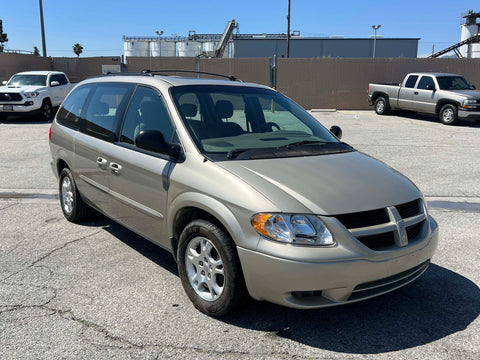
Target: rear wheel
{"x":209,"y":268}
{"x":381,"y":106}
{"x":449,"y":114}
{"x":73,"y":207}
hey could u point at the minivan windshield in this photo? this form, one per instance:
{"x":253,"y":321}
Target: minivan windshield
{"x":24,"y":80}
{"x":241,"y":122}
{"x":453,"y":83}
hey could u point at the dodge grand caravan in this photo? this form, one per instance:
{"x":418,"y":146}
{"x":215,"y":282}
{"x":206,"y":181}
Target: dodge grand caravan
{"x":249,"y":192}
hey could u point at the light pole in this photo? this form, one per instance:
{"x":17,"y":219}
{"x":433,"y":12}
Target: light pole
{"x":288,"y":30}
{"x":44,"y":47}
{"x":375,"y":28}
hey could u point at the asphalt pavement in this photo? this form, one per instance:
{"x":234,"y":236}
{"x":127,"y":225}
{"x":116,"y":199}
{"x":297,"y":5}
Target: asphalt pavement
{"x":97,"y":291}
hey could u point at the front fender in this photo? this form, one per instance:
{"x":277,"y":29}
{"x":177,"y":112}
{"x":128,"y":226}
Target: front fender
{"x":212,"y":206}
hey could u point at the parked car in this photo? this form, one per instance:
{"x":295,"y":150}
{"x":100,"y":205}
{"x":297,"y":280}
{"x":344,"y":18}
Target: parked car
{"x":33,"y":92}
{"x":249,"y":192}
{"x":448,"y":96}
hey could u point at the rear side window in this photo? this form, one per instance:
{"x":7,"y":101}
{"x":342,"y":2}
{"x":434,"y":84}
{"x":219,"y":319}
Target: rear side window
{"x":424,"y":82}
{"x":71,"y":111}
{"x":412,"y":79}
{"x":146,"y":111}
{"x":105,"y":108}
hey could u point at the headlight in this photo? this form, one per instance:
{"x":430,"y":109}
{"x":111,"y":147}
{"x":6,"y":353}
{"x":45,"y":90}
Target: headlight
{"x":31,"y":94}
{"x":469,"y":103}
{"x":293,"y":229}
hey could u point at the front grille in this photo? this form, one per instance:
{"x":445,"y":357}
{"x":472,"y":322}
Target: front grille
{"x":378,"y":229}
{"x":378,"y":241}
{"x":6,"y":97}
{"x":409,"y":209}
{"x":362,"y":219}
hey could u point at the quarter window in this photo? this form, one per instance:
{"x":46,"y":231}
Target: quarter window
{"x":147,"y":111}
{"x":412,"y":79}
{"x":71,"y":111}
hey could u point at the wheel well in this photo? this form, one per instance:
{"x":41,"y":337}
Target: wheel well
{"x":47,"y":99}
{"x":442,"y":103}
{"x":187,"y":215}
{"x":376,"y":95}
{"x":61,"y":164}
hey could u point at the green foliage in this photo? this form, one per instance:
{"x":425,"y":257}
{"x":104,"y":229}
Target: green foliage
{"x":77,"y":49}
{"x":3,"y":37}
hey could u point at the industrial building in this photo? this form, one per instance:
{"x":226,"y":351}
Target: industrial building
{"x":235,"y":45}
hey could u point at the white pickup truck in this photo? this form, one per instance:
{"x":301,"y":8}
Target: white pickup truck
{"x":33,"y":92}
{"x":449,"y":96}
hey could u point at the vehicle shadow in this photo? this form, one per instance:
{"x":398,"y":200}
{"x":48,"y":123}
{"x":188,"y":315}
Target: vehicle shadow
{"x":25,"y":120}
{"x":438,"y":304}
{"x":433,"y":118}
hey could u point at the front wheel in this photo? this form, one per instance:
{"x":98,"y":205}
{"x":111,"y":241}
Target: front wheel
{"x":209,"y":268}
{"x":448,"y":114}
{"x":46,"y":110}
{"x":381,"y":106}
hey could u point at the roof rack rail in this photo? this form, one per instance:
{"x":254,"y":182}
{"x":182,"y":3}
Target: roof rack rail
{"x":160,"y":72}
{"x":115,"y":73}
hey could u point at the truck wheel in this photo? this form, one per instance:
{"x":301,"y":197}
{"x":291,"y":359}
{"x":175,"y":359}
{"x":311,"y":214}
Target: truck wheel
{"x":381,"y":106}
{"x":46,"y":110}
{"x":209,"y":268}
{"x":73,"y":207}
{"x":448,"y":114}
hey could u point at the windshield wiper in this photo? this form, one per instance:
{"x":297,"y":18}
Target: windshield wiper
{"x":232,"y":154}
{"x":303,"y":142}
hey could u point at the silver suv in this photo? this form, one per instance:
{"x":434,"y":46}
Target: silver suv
{"x":249,"y":192}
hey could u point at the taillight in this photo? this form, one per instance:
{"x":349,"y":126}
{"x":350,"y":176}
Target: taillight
{"x":368,"y":88}
{"x":50,"y":135}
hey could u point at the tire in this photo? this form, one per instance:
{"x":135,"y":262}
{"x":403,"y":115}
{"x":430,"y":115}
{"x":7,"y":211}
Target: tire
{"x":209,"y":268}
{"x":46,"y":110}
{"x":448,"y":114}
{"x":381,"y":106}
{"x":73,"y":207}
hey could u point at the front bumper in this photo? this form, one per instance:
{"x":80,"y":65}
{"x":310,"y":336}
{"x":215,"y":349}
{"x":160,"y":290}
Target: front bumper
{"x":329,"y":282}
{"x":468,"y":114}
{"x":28,"y":106}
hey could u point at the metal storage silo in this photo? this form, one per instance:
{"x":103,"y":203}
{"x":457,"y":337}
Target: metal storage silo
{"x":162,"y":48}
{"x":469,"y":29}
{"x":189,"y":48}
{"x":136,"y":48}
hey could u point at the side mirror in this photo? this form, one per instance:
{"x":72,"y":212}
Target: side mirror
{"x":430,"y":87}
{"x":153,"y":140}
{"x":474,"y":87}
{"x":54,"y":83}
{"x":337,"y":131}
{"x":4,"y":82}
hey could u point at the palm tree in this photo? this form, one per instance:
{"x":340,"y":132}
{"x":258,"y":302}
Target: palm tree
{"x":77,"y":49}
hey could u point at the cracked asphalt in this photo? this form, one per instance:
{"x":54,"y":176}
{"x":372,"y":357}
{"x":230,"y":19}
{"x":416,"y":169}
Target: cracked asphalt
{"x":97,"y":291}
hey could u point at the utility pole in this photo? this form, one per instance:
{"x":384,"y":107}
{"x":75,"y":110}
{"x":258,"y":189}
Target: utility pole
{"x":44,"y":47}
{"x":375,"y":28}
{"x":288,"y":30}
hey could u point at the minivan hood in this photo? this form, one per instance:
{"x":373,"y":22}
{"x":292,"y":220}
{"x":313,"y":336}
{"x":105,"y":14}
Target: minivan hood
{"x":326,"y":184}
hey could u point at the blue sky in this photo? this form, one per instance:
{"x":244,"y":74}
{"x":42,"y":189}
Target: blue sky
{"x":98,"y":25}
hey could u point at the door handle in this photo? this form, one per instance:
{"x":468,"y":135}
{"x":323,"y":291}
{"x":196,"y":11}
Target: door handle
{"x":116,"y":168}
{"x":101,"y":162}
{"x":415,"y":93}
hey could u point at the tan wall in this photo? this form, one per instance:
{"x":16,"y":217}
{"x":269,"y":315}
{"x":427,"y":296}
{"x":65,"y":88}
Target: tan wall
{"x":13,"y":63}
{"x":313,"y":83}
{"x":78,"y":69}
{"x":137,"y":64}
{"x":342,"y":83}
